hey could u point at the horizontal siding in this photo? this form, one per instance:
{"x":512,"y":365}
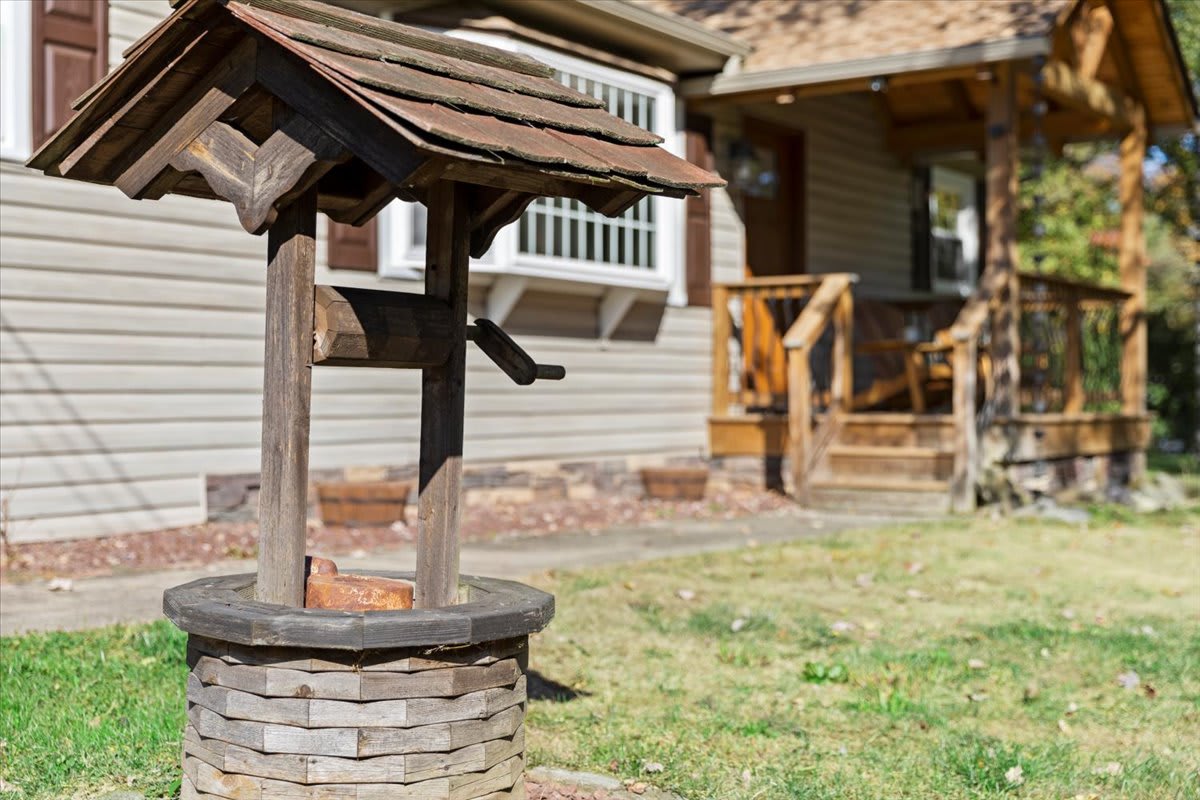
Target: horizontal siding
{"x":131,"y":352}
{"x":130,"y":368}
{"x":857,"y":194}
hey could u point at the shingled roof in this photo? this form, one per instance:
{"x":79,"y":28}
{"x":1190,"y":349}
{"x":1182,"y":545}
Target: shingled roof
{"x":803,"y":33}
{"x":403,"y":106}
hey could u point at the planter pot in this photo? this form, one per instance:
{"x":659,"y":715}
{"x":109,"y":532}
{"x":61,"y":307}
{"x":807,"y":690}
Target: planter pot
{"x":675,"y":483}
{"x":375,"y":503}
{"x":312,"y":703}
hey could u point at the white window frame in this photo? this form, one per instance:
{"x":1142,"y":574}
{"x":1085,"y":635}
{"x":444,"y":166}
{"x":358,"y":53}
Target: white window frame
{"x":16,"y":91}
{"x":966,"y":229}
{"x":399,"y":258}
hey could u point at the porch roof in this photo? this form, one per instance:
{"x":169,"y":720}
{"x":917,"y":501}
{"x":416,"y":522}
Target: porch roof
{"x":812,"y":42}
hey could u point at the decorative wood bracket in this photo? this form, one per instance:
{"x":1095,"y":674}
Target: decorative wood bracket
{"x":258,"y":179}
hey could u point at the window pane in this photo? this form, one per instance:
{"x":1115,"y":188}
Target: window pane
{"x":567,"y":229}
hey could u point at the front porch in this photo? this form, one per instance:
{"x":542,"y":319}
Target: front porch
{"x":895,"y":390}
{"x":806,"y":371}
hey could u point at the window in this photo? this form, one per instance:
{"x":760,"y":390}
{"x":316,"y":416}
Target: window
{"x":560,"y":238}
{"x":15,"y":88}
{"x":954,"y":230}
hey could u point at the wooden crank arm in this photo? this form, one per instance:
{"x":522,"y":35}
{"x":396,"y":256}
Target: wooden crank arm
{"x":508,"y":355}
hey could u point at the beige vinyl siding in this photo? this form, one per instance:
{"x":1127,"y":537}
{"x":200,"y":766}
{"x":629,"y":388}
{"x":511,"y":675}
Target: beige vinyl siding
{"x":131,"y":362}
{"x":857,"y":194}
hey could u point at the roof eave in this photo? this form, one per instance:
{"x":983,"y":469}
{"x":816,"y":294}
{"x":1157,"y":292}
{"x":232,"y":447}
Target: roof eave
{"x":687,"y":31}
{"x":998,"y":50}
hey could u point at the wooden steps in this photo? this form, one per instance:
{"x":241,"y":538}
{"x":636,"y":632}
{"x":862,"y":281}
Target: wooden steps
{"x":915,"y":463}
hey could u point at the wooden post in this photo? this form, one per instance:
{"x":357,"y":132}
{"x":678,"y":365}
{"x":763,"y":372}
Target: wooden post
{"x":722,"y":329}
{"x":287,"y":385}
{"x":1131,"y":259}
{"x":442,"y":402}
{"x":966,"y":452}
{"x":799,"y":418}
{"x":842,"y":383}
{"x":1073,"y":393}
{"x":1002,"y":153}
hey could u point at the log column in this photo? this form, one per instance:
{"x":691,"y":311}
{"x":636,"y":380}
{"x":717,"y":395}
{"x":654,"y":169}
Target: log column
{"x":1002,"y":157}
{"x":442,"y":402}
{"x":287,"y":389}
{"x":1131,"y":258}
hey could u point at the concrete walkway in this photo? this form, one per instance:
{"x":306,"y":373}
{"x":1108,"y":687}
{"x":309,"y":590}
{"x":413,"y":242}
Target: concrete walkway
{"x":137,"y":597}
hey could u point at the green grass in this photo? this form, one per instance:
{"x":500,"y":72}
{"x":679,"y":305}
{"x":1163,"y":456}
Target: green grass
{"x":971,"y":650}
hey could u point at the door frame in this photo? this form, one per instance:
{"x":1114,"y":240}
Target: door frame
{"x":795,"y":145}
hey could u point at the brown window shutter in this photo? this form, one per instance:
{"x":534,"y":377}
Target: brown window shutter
{"x":353,"y":247}
{"x":698,"y":238}
{"x":70,"y":53}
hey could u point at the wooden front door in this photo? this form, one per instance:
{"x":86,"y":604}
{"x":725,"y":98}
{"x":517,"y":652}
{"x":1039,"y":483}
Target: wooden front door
{"x":773,"y":214}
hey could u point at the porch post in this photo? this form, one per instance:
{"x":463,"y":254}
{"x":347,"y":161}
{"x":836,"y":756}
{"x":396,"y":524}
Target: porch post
{"x":1131,"y":258}
{"x":1002,"y":155}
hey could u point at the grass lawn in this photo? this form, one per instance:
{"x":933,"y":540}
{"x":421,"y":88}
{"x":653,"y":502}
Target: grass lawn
{"x":955,"y":660}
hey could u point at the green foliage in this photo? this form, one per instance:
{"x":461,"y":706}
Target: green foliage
{"x":819,"y":672}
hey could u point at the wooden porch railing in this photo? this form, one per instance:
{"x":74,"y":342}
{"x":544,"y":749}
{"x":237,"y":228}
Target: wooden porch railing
{"x":1066,"y":355}
{"x":776,"y":325}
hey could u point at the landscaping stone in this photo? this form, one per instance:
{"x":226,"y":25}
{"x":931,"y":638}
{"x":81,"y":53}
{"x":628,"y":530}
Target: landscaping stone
{"x":1047,"y":508}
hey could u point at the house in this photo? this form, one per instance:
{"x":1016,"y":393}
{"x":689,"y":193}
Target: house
{"x":864,"y":251}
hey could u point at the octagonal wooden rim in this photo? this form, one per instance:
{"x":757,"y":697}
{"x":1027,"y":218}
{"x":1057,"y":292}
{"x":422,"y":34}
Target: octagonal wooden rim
{"x":223,"y":608}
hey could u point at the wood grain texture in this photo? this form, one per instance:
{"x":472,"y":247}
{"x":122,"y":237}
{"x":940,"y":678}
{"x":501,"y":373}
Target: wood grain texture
{"x":496,"y":610}
{"x":372,"y":328}
{"x":194,"y":112}
{"x":287,"y":388}
{"x":443,"y":402}
{"x":1001,"y":248}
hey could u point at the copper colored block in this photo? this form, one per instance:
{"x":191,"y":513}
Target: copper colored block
{"x":357,"y":593}
{"x":321,"y":566}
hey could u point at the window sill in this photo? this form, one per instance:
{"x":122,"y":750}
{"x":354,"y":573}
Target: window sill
{"x":579,"y":276}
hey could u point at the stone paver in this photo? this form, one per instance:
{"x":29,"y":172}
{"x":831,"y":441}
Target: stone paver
{"x":137,"y":597}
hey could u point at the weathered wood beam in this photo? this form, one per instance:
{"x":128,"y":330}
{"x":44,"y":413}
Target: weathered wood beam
{"x":350,"y":123}
{"x":1090,"y":32}
{"x":943,"y":135}
{"x":287,"y":396}
{"x":1131,"y":260}
{"x":1070,"y":88}
{"x":373,"y":328}
{"x":1001,"y":253}
{"x":186,"y":120}
{"x":442,"y":402}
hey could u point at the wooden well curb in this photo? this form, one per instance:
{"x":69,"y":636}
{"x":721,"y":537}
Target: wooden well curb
{"x":222,"y":608}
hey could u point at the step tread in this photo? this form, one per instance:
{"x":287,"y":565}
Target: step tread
{"x":889,"y":451}
{"x":881,"y":484}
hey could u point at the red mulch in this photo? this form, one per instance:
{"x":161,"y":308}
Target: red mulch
{"x":198,"y":545}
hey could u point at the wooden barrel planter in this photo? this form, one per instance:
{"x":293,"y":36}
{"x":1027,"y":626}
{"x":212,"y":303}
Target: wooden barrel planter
{"x":336,"y":705}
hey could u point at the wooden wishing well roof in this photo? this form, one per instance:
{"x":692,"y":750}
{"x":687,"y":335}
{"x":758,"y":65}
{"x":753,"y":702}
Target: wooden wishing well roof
{"x":296,"y":92}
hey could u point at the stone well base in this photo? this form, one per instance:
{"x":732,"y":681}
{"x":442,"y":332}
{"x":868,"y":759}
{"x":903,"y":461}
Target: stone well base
{"x":295,"y":721}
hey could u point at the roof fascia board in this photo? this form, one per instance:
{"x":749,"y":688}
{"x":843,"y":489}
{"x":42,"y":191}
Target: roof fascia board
{"x":753,"y":81}
{"x":685,"y":30}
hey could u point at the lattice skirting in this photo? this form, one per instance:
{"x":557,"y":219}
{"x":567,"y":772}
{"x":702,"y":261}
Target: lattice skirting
{"x":287,"y":723}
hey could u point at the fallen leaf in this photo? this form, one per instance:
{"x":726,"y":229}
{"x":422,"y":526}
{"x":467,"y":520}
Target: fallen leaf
{"x":1014,"y":775}
{"x":976,"y":663}
{"x":61,"y":585}
{"x":977,"y":697}
{"x":1129,"y":680}
{"x":639,"y":787}
{"x":1064,"y":726}
{"x":1149,"y":691}
{"x":686,"y":594}
{"x":914,"y":567}
{"x":1112,"y":768}
{"x":864,"y":580}
{"x":916,"y":594}
{"x":841,"y":626}
{"x":1032,"y":691}
{"x":9,"y":788}
{"x":1072,"y":708}
{"x":652,"y":766}
{"x":737,"y":624}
